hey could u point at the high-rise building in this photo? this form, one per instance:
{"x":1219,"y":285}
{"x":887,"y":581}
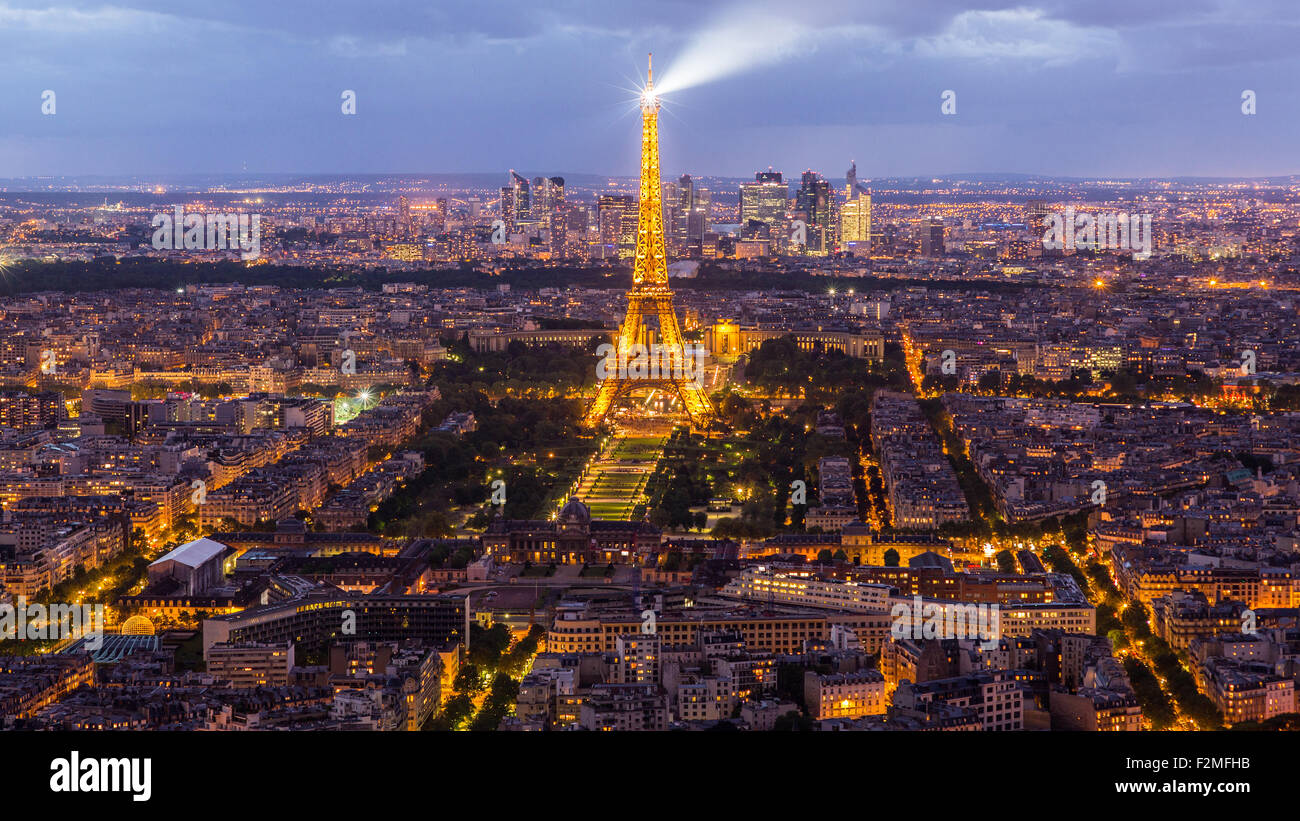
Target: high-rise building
{"x":851,"y":175}
{"x":1036,"y":218}
{"x":855,"y":222}
{"x":547,"y":198}
{"x":617,"y":215}
{"x":763,"y":205}
{"x":814,"y":204}
{"x":440,"y":215}
{"x":685,"y":193}
{"x":689,"y":216}
{"x":932,"y":237}
{"x":516,"y":201}
{"x":578,"y":218}
{"x":536,"y":202}
{"x":555,"y":217}
{"x":404,"y":225}
{"x":669,"y":195}
{"x":697,"y":219}
{"x":508,"y":204}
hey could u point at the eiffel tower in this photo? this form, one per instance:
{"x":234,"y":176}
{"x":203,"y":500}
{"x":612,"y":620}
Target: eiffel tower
{"x":650,"y":297}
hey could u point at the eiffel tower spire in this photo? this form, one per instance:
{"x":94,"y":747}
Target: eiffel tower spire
{"x":650,"y":296}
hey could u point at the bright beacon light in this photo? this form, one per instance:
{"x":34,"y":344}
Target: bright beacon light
{"x":726,"y":48}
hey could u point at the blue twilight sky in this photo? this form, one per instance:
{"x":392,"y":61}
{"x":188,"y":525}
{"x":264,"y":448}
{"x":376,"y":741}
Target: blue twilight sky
{"x":1097,"y":87}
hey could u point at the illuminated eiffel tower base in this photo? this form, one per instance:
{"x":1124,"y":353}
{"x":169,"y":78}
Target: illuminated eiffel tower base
{"x":651,"y":298}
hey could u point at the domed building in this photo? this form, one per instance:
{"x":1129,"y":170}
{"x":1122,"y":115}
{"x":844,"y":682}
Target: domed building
{"x":572,"y":538}
{"x":138,"y":626}
{"x":574,"y":515}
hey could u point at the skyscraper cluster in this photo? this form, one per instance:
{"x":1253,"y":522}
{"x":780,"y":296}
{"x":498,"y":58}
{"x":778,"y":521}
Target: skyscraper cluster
{"x":813,"y":222}
{"x":539,"y":205}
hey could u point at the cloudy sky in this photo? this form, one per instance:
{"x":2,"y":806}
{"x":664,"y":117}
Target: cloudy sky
{"x":1099,"y":87}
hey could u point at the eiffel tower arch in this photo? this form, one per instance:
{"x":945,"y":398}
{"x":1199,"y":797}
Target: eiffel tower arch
{"x":650,"y":302}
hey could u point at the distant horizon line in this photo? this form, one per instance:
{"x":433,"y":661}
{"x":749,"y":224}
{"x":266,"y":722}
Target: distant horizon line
{"x":246,"y":176}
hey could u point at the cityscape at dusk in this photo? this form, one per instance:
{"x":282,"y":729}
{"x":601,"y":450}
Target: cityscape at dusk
{"x":754,"y":369}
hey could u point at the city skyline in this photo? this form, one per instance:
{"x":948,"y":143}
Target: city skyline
{"x":802,"y":447}
{"x":1058,"y":88}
